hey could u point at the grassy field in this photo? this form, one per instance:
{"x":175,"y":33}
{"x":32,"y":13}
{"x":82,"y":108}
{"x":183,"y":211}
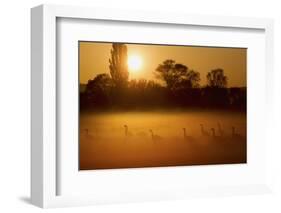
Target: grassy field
{"x":153,"y":139}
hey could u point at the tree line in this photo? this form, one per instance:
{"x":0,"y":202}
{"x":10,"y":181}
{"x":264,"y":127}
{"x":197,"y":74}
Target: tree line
{"x":179,"y":88}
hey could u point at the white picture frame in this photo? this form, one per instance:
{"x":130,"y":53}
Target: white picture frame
{"x":44,"y":154}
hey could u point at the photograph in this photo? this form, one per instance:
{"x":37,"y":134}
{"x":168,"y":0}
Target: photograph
{"x":157,"y":105}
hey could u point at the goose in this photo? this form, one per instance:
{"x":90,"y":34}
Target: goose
{"x":234,"y":134}
{"x":186,"y":137}
{"x":203,"y":131}
{"x":221,"y":132}
{"x":154,"y":137}
{"x":127,"y":132}
{"x":86,"y":131}
{"x":87,"y":135}
{"x":213,"y":131}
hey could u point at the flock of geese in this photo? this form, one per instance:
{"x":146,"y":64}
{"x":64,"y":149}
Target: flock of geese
{"x":220,"y":131}
{"x":213,"y":134}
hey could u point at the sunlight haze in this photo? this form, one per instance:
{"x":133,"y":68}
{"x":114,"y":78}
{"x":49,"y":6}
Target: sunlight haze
{"x":144,"y":58}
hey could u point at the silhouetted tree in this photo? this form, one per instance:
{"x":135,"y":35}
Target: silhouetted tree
{"x":189,"y":80}
{"x":166,"y":72}
{"x":216,"y":79}
{"x":115,"y":92}
{"x":177,"y":76}
{"x":118,"y":65}
{"x":144,"y":93}
{"x":101,"y":82}
{"x":143,"y":84}
{"x":99,"y":89}
{"x":238,"y":97}
{"x":216,"y":93}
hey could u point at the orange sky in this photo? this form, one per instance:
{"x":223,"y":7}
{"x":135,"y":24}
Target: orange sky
{"x":94,"y":60}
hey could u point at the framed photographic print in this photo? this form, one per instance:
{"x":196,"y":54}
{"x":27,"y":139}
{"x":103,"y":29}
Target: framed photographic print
{"x":148,"y":109}
{"x":132,"y":106}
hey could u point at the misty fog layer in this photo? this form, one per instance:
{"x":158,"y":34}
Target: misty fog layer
{"x":161,"y":138}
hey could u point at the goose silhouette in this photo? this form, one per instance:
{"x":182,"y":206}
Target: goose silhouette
{"x":127,"y":132}
{"x":213,"y":132}
{"x":203,"y":131}
{"x":234,"y":134}
{"x":155,"y":137}
{"x":220,"y":130}
{"x":87,"y":135}
{"x":186,"y":137}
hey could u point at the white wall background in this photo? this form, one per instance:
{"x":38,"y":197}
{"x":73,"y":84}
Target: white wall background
{"x":15,"y":105}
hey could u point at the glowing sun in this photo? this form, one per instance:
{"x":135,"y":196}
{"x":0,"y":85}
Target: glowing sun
{"x":134,"y":62}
